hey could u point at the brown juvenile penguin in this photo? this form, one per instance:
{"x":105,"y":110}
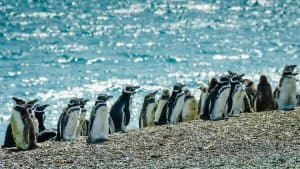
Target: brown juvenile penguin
{"x":263,"y":97}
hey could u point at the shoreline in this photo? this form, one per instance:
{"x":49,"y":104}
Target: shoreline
{"x":261,"y":139}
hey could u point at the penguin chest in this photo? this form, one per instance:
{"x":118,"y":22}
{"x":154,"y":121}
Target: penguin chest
{"x":100,"y":126}
{"x":177,"y":109}
{"x":161,"y":104}
{"x":149,"y":114}
{"x":202,"y":101}
{"x":35,"y":124}
{"x":189,"y":110}
{"x":70,"y":130}
{"x":287,"y":94}
{"x":219,"y":108}
{"x":238,"y":101}
{"x":18,"y":129}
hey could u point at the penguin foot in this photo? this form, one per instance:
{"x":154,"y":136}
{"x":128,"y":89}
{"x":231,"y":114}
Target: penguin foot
{"x":34,"y":146}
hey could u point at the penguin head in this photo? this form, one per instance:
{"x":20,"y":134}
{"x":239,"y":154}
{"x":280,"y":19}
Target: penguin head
{"x":250,"y":86}
{"x":263,"y":80}
{"x":151,"y":95}
{"x":74,"y":101}
{"x":130,"y":89}
{"x":19,"y":101}
{"x":178,"y":87}
{"x":231,"y":73}
{"x":166,"y":92}
{"x":103,"y":97}
{"x":237,"y":78}
{"x":203,"y":88}
{"x":82,"y":102}
{"x":224,"y":79}
{"x":289,"y":68}
{"x":187,"y":92}
{"x":212,"y":84}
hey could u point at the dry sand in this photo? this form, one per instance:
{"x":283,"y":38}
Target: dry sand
{"x":254,"y":140}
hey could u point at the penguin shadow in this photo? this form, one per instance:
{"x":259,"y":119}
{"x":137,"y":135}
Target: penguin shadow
{"x":16,"y":150}
{"x":97,"y":141}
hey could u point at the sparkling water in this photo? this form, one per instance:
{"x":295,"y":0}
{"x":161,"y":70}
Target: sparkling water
{"x":54,"y":50}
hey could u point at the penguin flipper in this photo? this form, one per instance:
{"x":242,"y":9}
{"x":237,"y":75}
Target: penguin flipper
{"x":46,"y":135}
{"x":9,"y":140}
{"x":111,"y":125}
{"x":126,"y":111}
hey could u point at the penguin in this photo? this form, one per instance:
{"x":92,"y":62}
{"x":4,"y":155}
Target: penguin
{"x":216,"y":102}
{"x":162,"y":107}
{"x":99,"y":120}
{"x":264,"y":98}
{"x":23,"y":129}
{"x":288,"y":89}
{"x":43,"y":133}
{"x":9,"y":140}
{"x":83,"y":123}
{"x":175,"y":103}
{"x":147,"y":114}
{"x":236,"y":96}
{"x":189,"y":111}
{"x":251,"y":90}
{"x":68,"y":122}
{"x":121,"y":109}
{"x":203,"y":97}
{"x":204,"y":115}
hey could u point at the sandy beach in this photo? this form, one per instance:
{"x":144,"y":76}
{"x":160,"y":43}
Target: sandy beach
{"x":253,"y":140}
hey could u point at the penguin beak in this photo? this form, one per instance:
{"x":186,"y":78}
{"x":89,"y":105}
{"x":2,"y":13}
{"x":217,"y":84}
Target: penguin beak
{"x":136,"y":87}
{"x":86,"y":100}
{"x":32,"y":101}
{"x":109,"y":97}
{"x":45,"y":106}
{"x":242,"y":75}
{"x":154,"y":93}
{"x":18,"y":101}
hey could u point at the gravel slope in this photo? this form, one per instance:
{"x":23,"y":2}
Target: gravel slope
{"x":254,"y":140}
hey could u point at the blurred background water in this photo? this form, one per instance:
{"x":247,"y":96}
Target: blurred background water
{"x":54,"y":50}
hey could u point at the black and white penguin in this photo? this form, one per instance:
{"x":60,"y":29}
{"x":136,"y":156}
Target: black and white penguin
{"x":121,"y":109}
{"x":175,"y":103}
{"x":189,"y":111}
{"x":236,"y":96}
{"x":264,"y":97}
{"x":216,"y":102}
{"x":43,"y":133}
{"x":68,"y":122}
{"x":147,"y":114}
{"x":287,"y":99}
{"x":162,"y":108}
{"x":83,"y":122}
{"x":9,"y":140}
{"x":99,"y":120}
{"x":23,"y":128}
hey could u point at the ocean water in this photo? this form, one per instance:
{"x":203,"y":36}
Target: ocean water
{"x":54,"y":50}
